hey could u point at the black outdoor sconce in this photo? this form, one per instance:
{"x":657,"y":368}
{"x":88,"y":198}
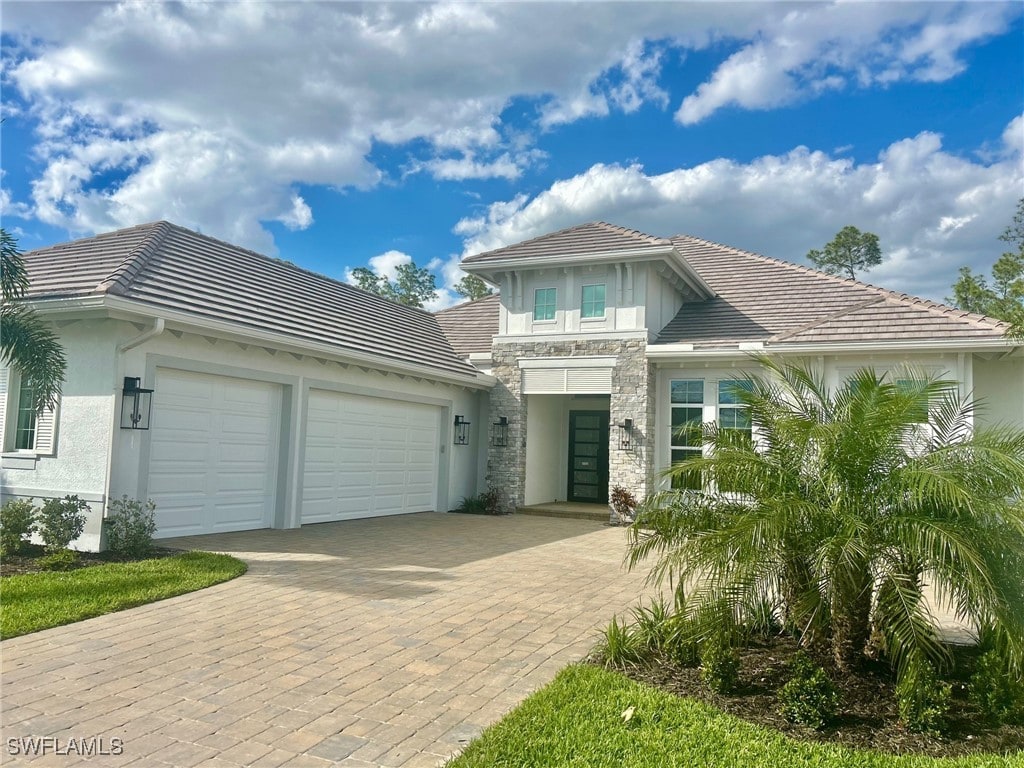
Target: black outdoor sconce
{"x":461,"y":431}
{"x":627,"y":439}
{"x":499,"y":432}
{"x":136,"y":404}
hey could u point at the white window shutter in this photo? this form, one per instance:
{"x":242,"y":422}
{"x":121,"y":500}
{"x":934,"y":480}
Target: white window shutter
{"x":5,"y":378}
{"x":46,"y":431}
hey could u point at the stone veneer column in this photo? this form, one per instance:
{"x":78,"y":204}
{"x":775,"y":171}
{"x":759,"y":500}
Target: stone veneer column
{"x":506,"y":466}
{"x":632,"y":396}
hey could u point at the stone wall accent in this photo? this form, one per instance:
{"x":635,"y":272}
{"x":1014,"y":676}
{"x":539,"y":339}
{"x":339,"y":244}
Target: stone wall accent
{"x":632,"y":396}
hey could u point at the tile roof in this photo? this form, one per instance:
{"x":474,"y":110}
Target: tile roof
{"x":595,"y":237}
{"x":471,"y":326}
{"x":164,"y":266}
{"x":763,"y":299}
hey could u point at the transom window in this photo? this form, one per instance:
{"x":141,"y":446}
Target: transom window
{"x":687,"y":415}
{"x":593,"y":301}
{"x":544,"y":303}
{"x":25,"y":431}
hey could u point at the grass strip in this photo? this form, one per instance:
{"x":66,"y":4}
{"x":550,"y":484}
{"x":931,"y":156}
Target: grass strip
{"x":34,"y":601}
{"x":577,"y":722}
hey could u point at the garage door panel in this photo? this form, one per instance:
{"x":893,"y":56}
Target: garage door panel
{"x":376,"y":442}
{"x":213,"y":453}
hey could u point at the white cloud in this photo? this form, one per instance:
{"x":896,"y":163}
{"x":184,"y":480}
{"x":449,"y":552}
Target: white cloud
{"x":214,"y":113}
{"x":934,"y":211}
{"x":384,"y":265}
{"x":820,"y":47}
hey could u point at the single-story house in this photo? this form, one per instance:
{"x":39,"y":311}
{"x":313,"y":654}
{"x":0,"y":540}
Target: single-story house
{"x":281,"y":397}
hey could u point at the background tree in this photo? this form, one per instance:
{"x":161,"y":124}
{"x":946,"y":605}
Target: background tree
{"x":849,"y":251}
{"x":473,"y":288}
{"x":1004,"y":297}
{"x":413,"y":286}
{"x":25,"y":341}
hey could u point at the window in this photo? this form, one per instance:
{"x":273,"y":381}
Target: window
{"x":25,"y":430}
{"x":732,"y":414}
{"x":544,"y":304}
{"x":687,"y":397}
{"x":593,"y":301}
{"x":908,"y":387}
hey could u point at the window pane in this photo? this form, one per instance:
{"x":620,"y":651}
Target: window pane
{"x":687,"y":390}
{"x":727,"y":390}
{"x":593,"y":301}
{"x":685,"y":480}
{"x":907,"y":386}
{"x":686,"y":426}
{"x":25,"y":432}
{"x":734,"y":418}
{"x":544,"y":304}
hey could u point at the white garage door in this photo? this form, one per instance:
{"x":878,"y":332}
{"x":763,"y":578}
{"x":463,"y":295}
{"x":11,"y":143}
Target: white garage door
{"x":368,"y":456}
{"x":213,"y":453}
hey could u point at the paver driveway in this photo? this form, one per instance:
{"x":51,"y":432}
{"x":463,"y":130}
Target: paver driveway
{"x":373,"y":642}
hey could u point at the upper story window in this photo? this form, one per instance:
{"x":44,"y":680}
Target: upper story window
{"x":544,"y":300}
{"x":593,"y":301}
{"x":25,"y":428}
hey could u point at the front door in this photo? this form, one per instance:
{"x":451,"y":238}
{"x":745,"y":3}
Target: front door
{"x":588,"y":456}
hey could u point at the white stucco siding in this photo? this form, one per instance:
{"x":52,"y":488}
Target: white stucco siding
{"x":84,"y":428}
{"x":999,"y":388}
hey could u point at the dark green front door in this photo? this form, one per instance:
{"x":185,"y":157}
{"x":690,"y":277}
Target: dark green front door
{"x":588,"y":456}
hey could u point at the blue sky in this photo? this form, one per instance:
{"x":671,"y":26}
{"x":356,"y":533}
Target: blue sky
{"x":337,"y":135}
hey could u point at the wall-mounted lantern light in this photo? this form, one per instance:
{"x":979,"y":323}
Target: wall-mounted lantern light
{"x":627,"y":438}
{"x":136,"y":404}
{"x":499,"y":432}
{"x":461,"y":431}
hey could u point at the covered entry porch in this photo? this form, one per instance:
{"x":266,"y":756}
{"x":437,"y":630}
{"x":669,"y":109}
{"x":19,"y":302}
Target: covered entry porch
{"x":567,"y":449}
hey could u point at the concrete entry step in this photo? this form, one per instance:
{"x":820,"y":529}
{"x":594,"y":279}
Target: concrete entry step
{"x":568,"y":509}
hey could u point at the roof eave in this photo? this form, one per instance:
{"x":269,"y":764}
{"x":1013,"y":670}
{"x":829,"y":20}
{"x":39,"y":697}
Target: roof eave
{"x":687,"y":350}
{"x":668,"y":254}
{"x":122,"y":308}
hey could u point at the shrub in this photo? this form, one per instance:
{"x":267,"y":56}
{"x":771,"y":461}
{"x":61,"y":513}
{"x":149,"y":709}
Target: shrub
{"x":923,"y":699}
{"x":130,"y":527}
{"x":760,"y":618}
{"x":995,"y":690}
{"x":623,"y":504}
{"x":620,"y":646}
{"x":719,"y":664}
{"x":809,"y":697}
{"x":61,"y":521}
{"x":61,"y":560}
{"x":17,"y":521}
{"x":486,"y":503}
{"x":652,"y":625}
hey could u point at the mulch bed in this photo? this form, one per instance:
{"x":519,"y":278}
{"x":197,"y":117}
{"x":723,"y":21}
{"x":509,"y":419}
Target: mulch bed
{"x":868,"y":717}
{"x":27,"y":561}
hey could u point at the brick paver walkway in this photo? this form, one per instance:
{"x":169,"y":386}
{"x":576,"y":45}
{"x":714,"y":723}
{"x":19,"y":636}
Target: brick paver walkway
{"x":387,"y":642}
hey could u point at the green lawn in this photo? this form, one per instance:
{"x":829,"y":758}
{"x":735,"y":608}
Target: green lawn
{"x":35,"y":601}
{"x":577,"y":721}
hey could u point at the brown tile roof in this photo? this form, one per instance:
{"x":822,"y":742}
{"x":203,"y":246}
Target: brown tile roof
{"x":164,"y":266}
{"x":763,"y":299}
{"x":471,"y":326}
{"x":584,"y":239}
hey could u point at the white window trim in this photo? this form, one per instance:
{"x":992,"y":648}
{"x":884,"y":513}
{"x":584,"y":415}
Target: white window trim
{"x":45,"y":438}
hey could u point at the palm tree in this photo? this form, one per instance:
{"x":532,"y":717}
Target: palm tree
{"x":25,"y":341}
{"x":844,"y":506}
